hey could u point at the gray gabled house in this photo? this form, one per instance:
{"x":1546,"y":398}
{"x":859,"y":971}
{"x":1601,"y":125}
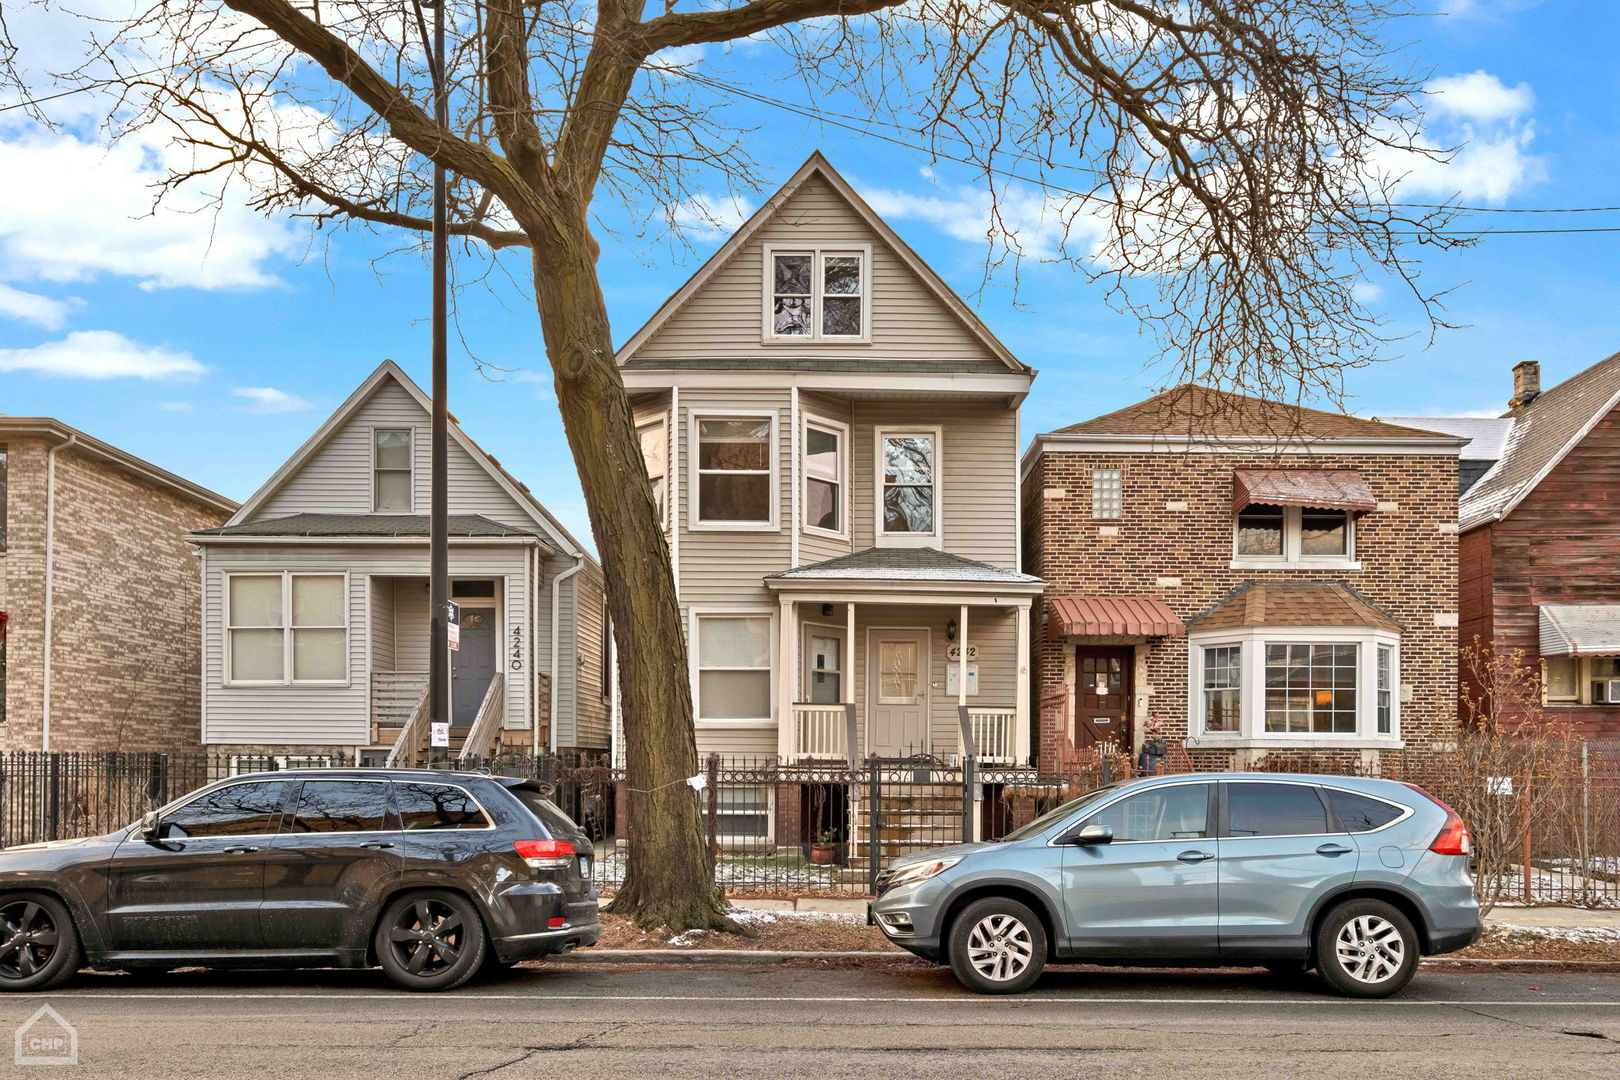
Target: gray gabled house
{"x":315,"y":603}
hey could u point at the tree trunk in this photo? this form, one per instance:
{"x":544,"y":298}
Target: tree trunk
{"x":669,"y":879}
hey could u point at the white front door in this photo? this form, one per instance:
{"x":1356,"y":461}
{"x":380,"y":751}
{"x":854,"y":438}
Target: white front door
{"x":897,"y":668}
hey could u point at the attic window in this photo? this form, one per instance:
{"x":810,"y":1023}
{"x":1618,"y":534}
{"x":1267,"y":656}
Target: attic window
{"x":816,"y":294}
{"x":391,"y":470}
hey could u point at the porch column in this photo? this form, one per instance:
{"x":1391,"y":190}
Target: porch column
{"x":962,"y":658}
{"x":846,"y":682}
{"x":1021,"y":690}
{"x":787,"y":637}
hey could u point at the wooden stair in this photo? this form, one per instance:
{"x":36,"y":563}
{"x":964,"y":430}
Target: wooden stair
{"x":912,"y":817}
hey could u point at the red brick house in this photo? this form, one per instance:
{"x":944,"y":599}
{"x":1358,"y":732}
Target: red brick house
{"x":1540,"y":541}
{"x":1262,"y":577}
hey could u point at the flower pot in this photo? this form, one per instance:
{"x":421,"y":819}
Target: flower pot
{"x":823,"y":854}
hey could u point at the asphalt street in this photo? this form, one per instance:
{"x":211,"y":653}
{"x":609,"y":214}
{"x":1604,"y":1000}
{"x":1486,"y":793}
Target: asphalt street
{"x":771,"y":1022}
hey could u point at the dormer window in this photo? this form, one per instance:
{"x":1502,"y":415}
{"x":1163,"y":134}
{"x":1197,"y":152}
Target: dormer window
{"x":817,"y":294}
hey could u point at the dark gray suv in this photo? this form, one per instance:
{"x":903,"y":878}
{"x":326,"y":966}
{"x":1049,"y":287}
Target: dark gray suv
{"x":431,"y":875}
{"x":1356,"y":878}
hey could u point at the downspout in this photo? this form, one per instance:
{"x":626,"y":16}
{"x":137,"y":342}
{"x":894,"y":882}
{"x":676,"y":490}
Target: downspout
{"x":50,"y":591}
{"x":556,"y":632}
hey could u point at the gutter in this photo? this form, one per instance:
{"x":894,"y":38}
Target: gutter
{"x":50,"y":589}
{"x":556,"y":631}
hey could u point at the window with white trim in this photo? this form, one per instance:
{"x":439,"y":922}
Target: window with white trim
{"x":1291,"y":534}
{"x":1580,"y":680}
{"x":287,"y":628}
{"x":909,"y":490}
{"x":734,"y":473}
{"x":655,"y":455}
{"x":733,"y":667}
{"x":816,"y":295}
{"x":823,"y":478}
{"x":1305,"y":685}
{"x":391,"y":472}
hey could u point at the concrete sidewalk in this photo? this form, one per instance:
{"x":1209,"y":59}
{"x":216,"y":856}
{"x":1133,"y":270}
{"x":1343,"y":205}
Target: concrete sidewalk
{"x":1554,"y":919}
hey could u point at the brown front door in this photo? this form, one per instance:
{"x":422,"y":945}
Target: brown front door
{"x":1102,"y":697}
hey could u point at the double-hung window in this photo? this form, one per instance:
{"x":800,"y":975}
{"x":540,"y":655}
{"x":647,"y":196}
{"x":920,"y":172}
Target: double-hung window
{"x":735,"y":464}
{"x":817,"y":294}
{"x":287,"y":628}
{"x":1571,"y":680}
{"x":391,"y":470}
{"x":1271,"y":535}
{"x":655,"y":454}
{"x":733,"y":668}
{"x":824,"y":478}
{"x":908,"y":492}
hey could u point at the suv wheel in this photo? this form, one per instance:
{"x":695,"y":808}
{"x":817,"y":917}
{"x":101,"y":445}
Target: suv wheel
{"x":997,"y":946}
{"x":39,"y":947}
{"x":430,"y":940}
{"x":1366,"y":948}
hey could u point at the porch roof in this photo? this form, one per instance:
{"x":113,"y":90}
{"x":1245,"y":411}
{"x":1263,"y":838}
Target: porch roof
{"x":1315,"y":489}
{"x":1580,"y":629}
{"x":378,"y":525}
{"x":885,"y":567}
{"x":1293,"y":603}
{"x":1111,"y":616}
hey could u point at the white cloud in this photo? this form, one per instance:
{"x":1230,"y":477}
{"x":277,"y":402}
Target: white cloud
{"x":33,"y":308}
{"x":175,"y":406}
{"x":99,"y":354}
{"x":267,"y":399}
{"x":1480,"y":97}
{"x":710,"y":216}
{"x":1038,"y":224}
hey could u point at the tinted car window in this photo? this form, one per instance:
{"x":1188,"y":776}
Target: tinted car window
{"x":1360,"y":814}
{"x":1274,"y":810}
{"x":1169,"y":813}
{"x":437,"y":806}
{"x":332,"y":806}
{"x":557,"y":823}
{"x":248,"y":809}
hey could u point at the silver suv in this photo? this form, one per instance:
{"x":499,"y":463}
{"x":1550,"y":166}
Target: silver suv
{"x":1355,"y":878}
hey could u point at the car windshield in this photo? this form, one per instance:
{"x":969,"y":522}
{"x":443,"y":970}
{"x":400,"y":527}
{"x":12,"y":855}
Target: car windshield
{"x":1052,"y":817}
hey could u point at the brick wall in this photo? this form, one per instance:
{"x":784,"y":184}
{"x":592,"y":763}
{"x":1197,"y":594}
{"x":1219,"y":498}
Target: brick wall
{"x":127,"y":639}
{"x":1408,"y":554}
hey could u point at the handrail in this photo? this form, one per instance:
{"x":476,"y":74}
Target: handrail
{"x":403,"y":754}
{"x":487,"y":725}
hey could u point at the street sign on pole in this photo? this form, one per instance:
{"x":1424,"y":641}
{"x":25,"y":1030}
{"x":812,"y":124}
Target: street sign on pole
{"x":452,"y":626}
{"x":438,"y":735}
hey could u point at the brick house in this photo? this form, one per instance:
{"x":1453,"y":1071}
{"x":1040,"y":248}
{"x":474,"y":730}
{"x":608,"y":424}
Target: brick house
{"x":98,"y":594}
{"x":1540,"y":539}
{"x":1262,"y":577}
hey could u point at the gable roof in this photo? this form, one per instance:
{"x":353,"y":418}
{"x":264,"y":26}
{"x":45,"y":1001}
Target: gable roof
{"x":550,"y":527}
{"x":45,"y":427}
{"x":1543,"y":434}
{"x":1190,"y":410}
{"x":378,"y":525}
{"x":818,"y":166}
{"x":1293,"y":603}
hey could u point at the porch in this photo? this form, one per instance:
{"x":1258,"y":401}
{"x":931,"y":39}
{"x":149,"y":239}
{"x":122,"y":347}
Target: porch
{"x":903,"y":654}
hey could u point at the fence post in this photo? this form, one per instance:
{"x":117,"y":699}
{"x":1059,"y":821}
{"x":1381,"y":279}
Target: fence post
{"x":968,"y":831}
{"x":53,"y":799}
{"x":874,"y":824}
{"x":1524,"y":801}
{"x":711,"y":768}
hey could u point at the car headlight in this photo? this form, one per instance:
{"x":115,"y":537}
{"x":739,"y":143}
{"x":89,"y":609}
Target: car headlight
{"x":910,"y":875}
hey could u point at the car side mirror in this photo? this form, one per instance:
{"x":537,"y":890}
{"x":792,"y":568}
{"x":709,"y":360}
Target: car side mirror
{"x":1092,"y":835}
{"x":151,"y":826}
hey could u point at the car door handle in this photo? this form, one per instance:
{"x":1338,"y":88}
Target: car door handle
{"x":379,"y":844}
{"x":1334,"y":849}
{"x":240,"y":850}
{"x":1195,"y":856}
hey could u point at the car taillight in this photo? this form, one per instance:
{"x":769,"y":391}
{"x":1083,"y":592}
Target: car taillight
{"x":545,"y":854}
{"x":1453,"y":838}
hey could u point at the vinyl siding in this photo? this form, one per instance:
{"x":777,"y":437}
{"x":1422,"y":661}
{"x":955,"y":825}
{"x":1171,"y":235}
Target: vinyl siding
{"x":336,"y":479}
{"x":383,"y":656}
{"x":591,"y":708}
{"x":726,"y":318}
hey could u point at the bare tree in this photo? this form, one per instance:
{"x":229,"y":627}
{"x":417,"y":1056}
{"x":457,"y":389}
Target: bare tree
{"x":1222,"y":168}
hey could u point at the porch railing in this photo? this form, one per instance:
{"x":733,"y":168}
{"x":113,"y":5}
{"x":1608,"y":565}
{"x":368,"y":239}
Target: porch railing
{"x":995,"y":735}
{"x":403,"y":755}
{"x":486,"y":727}
{"x":821,"y":732}
{"x":394,"y":695}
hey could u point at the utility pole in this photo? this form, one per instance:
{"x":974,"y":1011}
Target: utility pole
{"x":438,"y":503}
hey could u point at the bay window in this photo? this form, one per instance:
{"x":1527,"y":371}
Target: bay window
{"x":908,"y":489}
{"x":733,"y":658}
{"x":1295,"y":685}
{"x":287,"y":628}
{"x":824,"y":478}
{"x":735,"y":466}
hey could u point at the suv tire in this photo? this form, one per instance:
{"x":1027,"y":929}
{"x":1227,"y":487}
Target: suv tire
{"x":997,"y":946}
{"x":430,"y":940}
{"x":39,"y":945}
{"x":1367,"y":949}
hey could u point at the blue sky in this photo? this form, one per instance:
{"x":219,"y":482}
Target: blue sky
{"x":247,"y":331}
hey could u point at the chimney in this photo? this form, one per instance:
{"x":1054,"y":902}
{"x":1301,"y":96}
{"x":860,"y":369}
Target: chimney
{"x":1526,"y":383}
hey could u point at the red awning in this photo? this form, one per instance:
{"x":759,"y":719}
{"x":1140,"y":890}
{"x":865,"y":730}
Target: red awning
{"x":1111,"y":616}
{"x":1317,"y":489}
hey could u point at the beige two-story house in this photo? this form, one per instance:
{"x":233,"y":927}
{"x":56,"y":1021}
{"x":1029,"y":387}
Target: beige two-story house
{"x":833,"y":438}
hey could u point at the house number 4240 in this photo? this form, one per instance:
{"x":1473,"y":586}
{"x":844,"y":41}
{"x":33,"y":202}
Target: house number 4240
{"x":516,"y":663}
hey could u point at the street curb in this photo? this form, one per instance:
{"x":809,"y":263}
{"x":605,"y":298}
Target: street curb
{"x":747,"y":957}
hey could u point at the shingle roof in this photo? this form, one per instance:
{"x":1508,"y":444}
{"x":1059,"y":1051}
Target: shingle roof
{"x":1580,"y":629}
{"x":1486,"y":435}
{"x":904,"y":564}
{"x":1543,"y":432}
{"x":1301,"y":603}
{"x":1191,"y":410}
{"x":365,"y":525}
